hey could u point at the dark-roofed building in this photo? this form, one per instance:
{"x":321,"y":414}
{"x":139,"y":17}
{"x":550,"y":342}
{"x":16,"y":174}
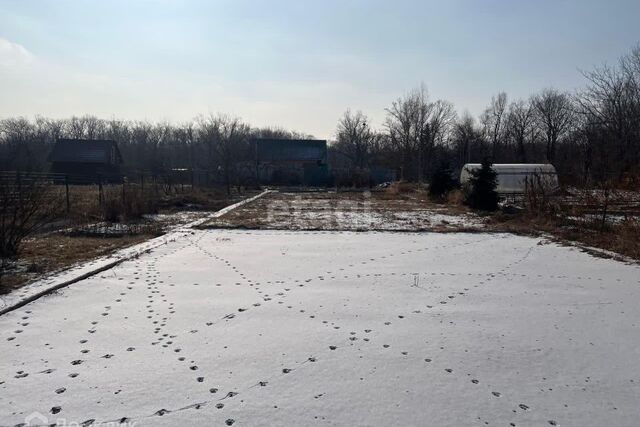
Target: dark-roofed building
{"x":94,"y":159}
{"x":291,"y":161}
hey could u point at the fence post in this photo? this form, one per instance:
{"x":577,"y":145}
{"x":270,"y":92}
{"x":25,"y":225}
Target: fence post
{"x":66,"y":188}
{"x":123,"y":190}
{"x":142,"y":183}
{"x":100,"y":195}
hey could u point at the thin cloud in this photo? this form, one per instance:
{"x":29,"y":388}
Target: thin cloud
{"x":14,"y":55}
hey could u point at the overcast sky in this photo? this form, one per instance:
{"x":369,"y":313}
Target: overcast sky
{"x":295,"y":64}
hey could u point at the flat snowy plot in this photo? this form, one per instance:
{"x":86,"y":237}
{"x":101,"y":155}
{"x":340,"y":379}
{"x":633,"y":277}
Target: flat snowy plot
{"x":325,"y":328}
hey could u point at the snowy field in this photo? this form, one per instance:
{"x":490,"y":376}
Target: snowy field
{"x":272,"y":328}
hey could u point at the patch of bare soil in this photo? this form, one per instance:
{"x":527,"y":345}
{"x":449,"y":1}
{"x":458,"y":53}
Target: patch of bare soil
{"x":350,"y":211}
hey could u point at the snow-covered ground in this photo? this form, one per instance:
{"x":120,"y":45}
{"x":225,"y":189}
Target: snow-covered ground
{"x":181,"y":224}
{"x":276,"y":328}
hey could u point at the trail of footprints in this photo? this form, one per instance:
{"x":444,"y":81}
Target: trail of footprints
{"x":157,"y":302}
{"x":93,"y":327}
{"x":152,"y":283}
{"x":353,"y":335}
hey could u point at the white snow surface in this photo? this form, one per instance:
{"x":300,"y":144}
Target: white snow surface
{"x":333,"y":328}
{"x":52,"y":280}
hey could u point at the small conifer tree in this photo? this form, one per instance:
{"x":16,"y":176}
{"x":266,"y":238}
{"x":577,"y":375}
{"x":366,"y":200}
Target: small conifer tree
{"x":482,"y":194}
{"x":442,"y":182}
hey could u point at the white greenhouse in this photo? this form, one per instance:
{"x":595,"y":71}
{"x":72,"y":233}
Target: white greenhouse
{"x":514,"y":178}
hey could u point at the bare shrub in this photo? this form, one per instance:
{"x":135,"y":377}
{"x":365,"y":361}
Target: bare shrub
{"x":455,"y":197}
{"x":539,"y":196}
{"x":400,"y":187}
{"x":26,"y":204}
{"x":127,"y":203}
{"x":136,"y":204}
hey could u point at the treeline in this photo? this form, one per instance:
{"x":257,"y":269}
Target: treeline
{"x":218,"y":144}
{"x":592,"y":136}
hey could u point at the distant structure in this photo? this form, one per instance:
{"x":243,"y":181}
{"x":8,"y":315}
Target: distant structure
{"x":513,"y":178}
{"x":291,"y":161}
{"x":93,"y":159}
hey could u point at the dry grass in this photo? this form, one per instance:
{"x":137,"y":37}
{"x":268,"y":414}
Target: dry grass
{"x":45,"y":254}
{"x":622,"y":238}
{"x":201,"y":199}
{"x":135,"y":201}
{"x":402,"y":187}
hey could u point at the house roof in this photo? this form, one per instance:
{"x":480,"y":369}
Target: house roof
{"x":291,"y":149}
{"x":85,"y":151}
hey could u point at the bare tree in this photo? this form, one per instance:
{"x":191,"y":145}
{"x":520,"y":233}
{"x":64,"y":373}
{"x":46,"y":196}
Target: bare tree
{"x":520,"y":121}
{"x":278,"y":132}
{"x":404,"y":122}
{"x":415,"y":125}
{"x":554,"y":115}
{"x":17,"y":135}
{"x":443,"y":117}
{"x":466,"y":136}
{"x":228,"y":138}
{"x":355,"y":138}
{"x":610,"y":107}
{"x":493,"y":121}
